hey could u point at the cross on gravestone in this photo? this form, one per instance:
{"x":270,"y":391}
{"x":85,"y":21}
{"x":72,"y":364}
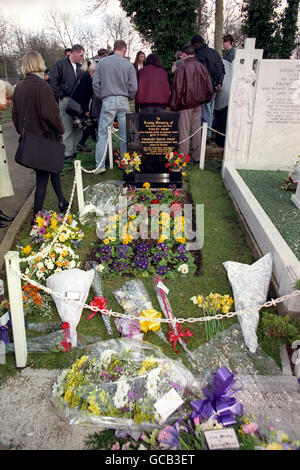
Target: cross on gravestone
{"x":248,"y":55}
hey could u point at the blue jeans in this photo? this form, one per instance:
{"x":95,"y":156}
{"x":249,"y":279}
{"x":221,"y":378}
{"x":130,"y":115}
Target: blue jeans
{"x":207,"y":110}
{"x":112,"y":107}
{"x":72,"y":135}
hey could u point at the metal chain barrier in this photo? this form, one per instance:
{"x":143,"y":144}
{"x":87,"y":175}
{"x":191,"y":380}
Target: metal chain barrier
{"x":110,"y":313}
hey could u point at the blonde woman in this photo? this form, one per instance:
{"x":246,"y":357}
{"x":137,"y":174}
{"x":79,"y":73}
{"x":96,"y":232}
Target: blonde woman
{"x":44,"y":120}
{"x":6,"y":189}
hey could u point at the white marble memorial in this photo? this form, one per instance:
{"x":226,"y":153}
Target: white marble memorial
{"x":263,"y":133}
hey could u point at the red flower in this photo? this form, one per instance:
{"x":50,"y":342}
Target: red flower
{"x":167,"y":165}
{"x":155,"y":201}
{"x":100,"y":303}
{"x":175,"y":207}
{"x":65,"y":326}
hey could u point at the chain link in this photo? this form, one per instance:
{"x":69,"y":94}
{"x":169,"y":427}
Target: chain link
{"x":110,"y":313}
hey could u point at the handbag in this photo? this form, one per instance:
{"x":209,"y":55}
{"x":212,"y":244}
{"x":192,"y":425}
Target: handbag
{"x":37,"y":152}
{"x":73,"y":108}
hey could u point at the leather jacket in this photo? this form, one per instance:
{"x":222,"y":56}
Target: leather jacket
{"x":192,"y":85}
{"x":63,"y":78}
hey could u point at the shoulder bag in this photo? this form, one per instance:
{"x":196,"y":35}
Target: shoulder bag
{"x":37,"y":152}
{"x":74,"y":108}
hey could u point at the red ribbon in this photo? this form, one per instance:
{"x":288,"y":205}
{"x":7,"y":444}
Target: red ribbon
{"x":173,"y":337}
{"x":100,"y":303}
{"x":66,"y":344}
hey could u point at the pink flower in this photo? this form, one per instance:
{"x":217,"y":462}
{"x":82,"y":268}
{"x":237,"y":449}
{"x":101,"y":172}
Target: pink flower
{"x":143,"y":437}
{"x":197,"y":421}
{"x":250,"y":428}
{"x":115,"y":446}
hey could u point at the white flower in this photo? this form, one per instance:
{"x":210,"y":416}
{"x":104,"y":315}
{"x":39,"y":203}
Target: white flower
{"x":72,"y":264}
{"x":49,"y":264}
{"x":183,"y":268}
{"x":106,"y":357}
{"x":152,"y":381}
{"x":100,"y":267}
{"x":121,"y":395}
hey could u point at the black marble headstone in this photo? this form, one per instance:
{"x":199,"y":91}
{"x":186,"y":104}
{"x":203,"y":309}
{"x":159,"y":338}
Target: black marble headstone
{"x":153,"y":135}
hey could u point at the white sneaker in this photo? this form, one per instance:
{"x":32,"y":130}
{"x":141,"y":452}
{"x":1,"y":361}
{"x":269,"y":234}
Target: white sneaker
{"x":100,"y":170}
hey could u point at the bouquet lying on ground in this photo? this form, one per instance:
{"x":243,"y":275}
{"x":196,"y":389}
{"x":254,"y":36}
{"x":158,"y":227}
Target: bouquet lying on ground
{"x":61,"y":255}
{"x":123,"y":384}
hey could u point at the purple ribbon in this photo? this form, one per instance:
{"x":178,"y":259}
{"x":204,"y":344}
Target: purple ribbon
{"x":219,"y":400}
{"x":4,"y":336}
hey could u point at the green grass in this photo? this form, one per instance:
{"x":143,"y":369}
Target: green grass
{"x":223,"y":241}
{"x":277,"y":203}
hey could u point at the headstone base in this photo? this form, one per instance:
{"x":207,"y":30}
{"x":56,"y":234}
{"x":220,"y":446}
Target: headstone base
{"x":159,"y":180}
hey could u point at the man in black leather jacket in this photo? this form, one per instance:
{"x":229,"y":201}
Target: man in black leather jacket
{"x":64,"y":76}
{"x":214,"y":64}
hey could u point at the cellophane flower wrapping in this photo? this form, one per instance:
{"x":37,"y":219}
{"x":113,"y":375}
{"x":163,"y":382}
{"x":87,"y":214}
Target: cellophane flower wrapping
{"x":74,"y":284}
{"x":250,"y":285}
{"x":118,"y":383}
{"x":101,"y":200}
{"x":97,"y":288}
{"x":134,"y":299}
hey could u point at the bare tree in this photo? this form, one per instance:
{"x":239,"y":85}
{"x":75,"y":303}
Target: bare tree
{"x":218,"y":26}
{"x":64,"y":25}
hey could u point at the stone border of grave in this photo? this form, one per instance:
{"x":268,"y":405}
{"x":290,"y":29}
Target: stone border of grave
{"x":265,"y":238}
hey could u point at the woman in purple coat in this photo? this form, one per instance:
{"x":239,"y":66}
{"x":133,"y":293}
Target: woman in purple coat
{"x":153,"y":93}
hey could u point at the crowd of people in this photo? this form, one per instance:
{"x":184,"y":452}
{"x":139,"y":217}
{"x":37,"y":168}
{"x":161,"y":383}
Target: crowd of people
{"x":79,"y":98}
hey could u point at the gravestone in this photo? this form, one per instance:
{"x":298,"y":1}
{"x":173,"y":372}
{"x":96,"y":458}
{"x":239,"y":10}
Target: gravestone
{"x":153,"y":135}
{"x":262,"y":133}
{"x":264,"y":112}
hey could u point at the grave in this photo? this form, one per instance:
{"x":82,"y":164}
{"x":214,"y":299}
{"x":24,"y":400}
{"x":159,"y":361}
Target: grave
{"x":153,"y":135}
{"x":263,"y":134}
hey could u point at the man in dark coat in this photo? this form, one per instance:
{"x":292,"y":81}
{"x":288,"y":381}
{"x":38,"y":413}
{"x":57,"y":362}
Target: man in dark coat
{"x":192,"y":86}
{"x":213,"y":62}
{"x":64,"y":76}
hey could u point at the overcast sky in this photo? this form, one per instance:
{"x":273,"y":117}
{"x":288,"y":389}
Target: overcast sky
{"x":29,"y":13}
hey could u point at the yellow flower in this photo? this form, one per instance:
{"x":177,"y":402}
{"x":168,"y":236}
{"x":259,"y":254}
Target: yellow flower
{"x":39,"y":221}
{"x":27,"y":249}
{"x":106,"y":241}
{"x":53,"y":222}
{"x":274,"y":446}
{"x":146,"y":185}
{"x":183,"y":173}
{"x":94,"y":409}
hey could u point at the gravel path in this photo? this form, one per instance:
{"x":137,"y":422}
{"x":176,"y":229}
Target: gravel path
{"x":28,"y":418}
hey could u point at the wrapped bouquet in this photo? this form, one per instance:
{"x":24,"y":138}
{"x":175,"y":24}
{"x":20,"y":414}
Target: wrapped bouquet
{"x":124,"y":384}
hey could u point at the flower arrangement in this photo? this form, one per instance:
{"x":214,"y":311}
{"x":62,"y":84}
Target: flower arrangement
{"x":165,"y":254}
{"x":219,"y":410}
{"x":58,"y":258}
{"x":36,"y":302}
{"x":61,"y":254}
{"x":211,"y":305}
{"x":128,"y":163}
{"x":46,"y":227}
{"x":291,"y":182}
{"x":119,"y":385}
{"x":176,"y":161}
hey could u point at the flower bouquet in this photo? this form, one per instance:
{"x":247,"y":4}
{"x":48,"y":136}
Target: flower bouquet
{"x":211,"y":305}
{"x":128,"y":163}
{"x":46,"y":227}
{"x":134,"y":299}
{"x":123,"y":384}
{"x":59,"y":258}
{"x":176,"y":161}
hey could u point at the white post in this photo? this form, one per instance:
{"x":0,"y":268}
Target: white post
{"x":203,"y":145}
{"x":296,"y":197}
{"x":16,"y":307}
{"x":79,"y":187}
{"x":110,"y":152}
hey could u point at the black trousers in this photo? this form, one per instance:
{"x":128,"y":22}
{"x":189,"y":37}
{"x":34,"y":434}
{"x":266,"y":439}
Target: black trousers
{"x":42,"y":178}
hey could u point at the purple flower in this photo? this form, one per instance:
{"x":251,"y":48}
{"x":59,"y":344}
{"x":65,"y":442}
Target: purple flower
{"x":168,"y":436}
{"x":141,"y":262}
{"x":131,"y":395}
{"x":143,"y":248}
{"x":162,"y":247}
{"x":122,"y":251}
{"x":181,"y":248}
{"x":162,"y":269}
{"x":175,"y":385}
